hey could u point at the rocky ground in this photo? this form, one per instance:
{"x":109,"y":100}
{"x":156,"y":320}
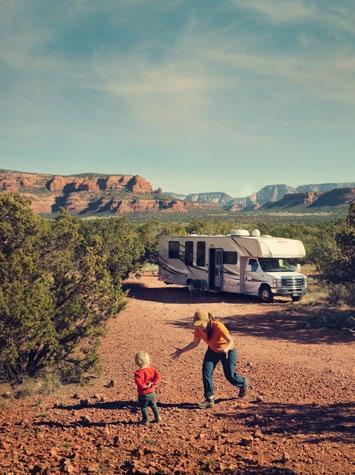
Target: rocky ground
{"x":296,"y":418}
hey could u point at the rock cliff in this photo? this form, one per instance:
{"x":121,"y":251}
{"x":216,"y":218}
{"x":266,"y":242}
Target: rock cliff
{"x":91,"y":194}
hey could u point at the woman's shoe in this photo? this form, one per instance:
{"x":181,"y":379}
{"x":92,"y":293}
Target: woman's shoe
{"x":207,"y":403}
{"x":244,"y":389}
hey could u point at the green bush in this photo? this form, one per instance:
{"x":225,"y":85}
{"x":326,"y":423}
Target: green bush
{"x":56,"y":294}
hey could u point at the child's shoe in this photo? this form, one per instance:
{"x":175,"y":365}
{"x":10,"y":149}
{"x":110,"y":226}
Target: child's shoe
{"x":156,"y":420}
{"x":207,"y":403}
{"x":145,"y":422}
{"x":244,"y":389}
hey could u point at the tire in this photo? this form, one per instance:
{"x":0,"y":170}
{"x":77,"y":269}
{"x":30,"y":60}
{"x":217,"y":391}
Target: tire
{"x":265,"y":294}
{"x":296,"y":298}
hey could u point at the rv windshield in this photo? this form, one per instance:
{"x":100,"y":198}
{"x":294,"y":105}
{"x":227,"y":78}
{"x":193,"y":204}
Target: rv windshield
{"x":275,"y":265}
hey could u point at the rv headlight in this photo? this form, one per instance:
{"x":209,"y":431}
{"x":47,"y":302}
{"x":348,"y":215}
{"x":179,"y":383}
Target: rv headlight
{"x":276,"y":282}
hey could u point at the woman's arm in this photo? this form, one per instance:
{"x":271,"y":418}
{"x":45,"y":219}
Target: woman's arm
{"x":190,"y":346}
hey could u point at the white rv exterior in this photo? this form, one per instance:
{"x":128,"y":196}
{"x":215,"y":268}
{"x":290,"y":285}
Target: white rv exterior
{"x":237,"y":263}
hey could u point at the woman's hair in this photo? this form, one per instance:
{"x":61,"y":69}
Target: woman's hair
{"x":142,"y":358}
{"x":209,"y":328}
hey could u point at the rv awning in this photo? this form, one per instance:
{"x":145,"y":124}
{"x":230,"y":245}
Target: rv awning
{"x":271,"y":247}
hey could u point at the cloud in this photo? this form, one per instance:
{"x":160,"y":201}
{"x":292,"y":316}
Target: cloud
{"x":279,"y":11}
{"x":201,"y":84}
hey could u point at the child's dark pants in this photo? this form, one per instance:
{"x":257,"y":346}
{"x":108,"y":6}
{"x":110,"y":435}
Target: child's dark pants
{"x":145,"y":401}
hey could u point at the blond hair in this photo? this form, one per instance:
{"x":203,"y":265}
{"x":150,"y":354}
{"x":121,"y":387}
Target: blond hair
{"x":142,"y":358}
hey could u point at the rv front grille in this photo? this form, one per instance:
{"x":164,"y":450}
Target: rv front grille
{"x":293,"y":282}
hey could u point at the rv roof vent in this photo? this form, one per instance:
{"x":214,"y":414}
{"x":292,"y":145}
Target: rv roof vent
{"x":193,"y":234}
{"x":255,"y":233}
{"x":266,"y":235}
{"x":239,"y":232}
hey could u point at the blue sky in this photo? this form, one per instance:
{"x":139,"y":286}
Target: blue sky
{"x":195,"y":95}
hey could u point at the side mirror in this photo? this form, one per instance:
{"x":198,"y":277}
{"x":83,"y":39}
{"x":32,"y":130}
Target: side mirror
{"x":248,"y":268}
{"x":298,"y":267}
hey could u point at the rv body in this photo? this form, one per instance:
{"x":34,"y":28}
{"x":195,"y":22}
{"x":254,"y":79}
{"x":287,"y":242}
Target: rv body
{"x":236,"y":263}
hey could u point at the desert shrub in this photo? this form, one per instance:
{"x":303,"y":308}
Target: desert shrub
{"x":339,"y":294}
{"x":56,"y":293}
{"x":121,"y":243}
{"x":335,"y":256}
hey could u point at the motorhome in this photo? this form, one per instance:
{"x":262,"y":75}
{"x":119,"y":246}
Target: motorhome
{"x":255,"y":264}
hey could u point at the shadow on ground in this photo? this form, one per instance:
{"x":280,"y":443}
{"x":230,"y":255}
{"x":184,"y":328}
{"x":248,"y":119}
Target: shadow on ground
{"x":284,"y":325}
{"x":334,"y":422}
{"x":181,"y":295}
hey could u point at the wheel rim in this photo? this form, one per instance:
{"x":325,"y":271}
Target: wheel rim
{"x":265,"y":294}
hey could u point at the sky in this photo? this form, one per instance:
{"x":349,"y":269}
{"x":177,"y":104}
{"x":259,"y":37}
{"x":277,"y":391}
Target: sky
{"x":194,"y":95}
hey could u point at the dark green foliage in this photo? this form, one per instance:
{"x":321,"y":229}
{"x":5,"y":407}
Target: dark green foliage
{"x":120,"y":241}
{"x":335,"y":256}
{"x":55,"y":293}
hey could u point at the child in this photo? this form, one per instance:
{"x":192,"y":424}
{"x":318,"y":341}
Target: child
{"x":146,"y":379}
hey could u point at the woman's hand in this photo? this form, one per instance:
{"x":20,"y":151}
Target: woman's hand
{"x":176,"y":354}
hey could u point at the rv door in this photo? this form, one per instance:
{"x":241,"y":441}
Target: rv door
{"x":216,"y":269}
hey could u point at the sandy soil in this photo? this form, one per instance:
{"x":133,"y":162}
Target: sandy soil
{"x":296,"y":418}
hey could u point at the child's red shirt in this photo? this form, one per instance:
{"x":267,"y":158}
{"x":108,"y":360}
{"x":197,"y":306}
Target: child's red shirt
{"x":144,"y":376}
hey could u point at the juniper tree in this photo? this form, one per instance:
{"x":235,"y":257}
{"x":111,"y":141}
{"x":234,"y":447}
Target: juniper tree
{"x":56,"y":293}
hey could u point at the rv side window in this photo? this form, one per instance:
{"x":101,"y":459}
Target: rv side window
{"x":189,"y":253}
{"x":230,"y":257}
{"x":174,"y":250}
{"x":201,"y":254}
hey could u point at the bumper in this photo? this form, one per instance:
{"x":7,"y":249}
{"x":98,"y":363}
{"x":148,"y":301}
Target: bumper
{"x":289,"y":291}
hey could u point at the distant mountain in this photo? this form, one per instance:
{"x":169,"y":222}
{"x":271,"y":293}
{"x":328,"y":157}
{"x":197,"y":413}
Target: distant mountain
{"x":291,"y":200}
{"x":323,"y":187}
{"x":335,"y":197}
{"x":270,"y":194}
{"x":217,"y":198}
{"x":91,"y":193}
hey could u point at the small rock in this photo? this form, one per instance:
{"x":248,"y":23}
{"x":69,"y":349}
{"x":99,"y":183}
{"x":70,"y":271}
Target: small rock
{"x":110,"y":384}
{"x":66,"y":466}
{"x":259,"y":398}
{"x":75,"y":396}
{"x":93,"y":468}
{"x":200,"y":436}
{"x":85,"y":419}
{"x":246,"y":441}
{"x":37,"y":469}
{"x":284,"y":457}
{"x":84,"y":402}
{"x":53,"y":452}
{"x":116,"y":441}
{"x":6,"y":395}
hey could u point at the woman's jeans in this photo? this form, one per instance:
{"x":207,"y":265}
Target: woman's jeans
{"x":228,"y":362}
{"x":145,"y":401}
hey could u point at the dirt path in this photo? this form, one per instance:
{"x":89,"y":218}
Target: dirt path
{"x":296,"y":418}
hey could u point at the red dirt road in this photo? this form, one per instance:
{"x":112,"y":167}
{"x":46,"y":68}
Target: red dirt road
{"x":296,"y":418}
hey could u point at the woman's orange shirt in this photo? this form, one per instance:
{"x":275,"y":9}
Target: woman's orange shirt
{"x":219,"y":339}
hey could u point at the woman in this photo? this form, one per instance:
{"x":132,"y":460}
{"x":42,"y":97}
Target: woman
{"x":220,"y":348}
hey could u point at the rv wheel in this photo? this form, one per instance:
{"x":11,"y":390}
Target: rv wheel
{"x":265,"y":294}
{"x":296,"y":298}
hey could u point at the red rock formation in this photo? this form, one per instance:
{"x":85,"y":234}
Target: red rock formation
{"x":56,"y":183}
{"x":41,"y":203}
{"x":138,"y":184}
{"x":86,"y":185}
{"x":310,"y":197}
{"x":8,"y":183}
{"x":117,"y":182}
